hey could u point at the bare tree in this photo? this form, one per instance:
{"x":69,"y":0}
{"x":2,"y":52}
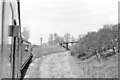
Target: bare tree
{"x":57,"y":38}
{"x":50,"y":39}
{"x":67,"y":37}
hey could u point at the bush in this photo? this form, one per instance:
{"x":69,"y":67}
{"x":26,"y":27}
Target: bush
{"x":102,"y":40}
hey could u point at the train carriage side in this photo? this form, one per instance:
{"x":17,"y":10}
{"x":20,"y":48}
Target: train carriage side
{"x":15,"y":52}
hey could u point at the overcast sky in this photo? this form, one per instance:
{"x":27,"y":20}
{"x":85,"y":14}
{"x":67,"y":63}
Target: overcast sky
{"x":43,"y":17}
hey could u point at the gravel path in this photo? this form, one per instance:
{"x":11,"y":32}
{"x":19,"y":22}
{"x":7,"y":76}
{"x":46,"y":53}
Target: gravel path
{"x":52,"y":66}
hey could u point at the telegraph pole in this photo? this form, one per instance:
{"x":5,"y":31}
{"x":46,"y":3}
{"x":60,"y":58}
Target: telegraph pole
{"x":41,"y":44}
{"x":41,"y":41}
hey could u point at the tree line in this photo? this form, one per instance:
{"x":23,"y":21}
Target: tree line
{"x":56,"y":39}
{"x":104,"y":39}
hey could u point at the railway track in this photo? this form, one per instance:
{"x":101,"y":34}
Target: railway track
{"x":55,"y":65}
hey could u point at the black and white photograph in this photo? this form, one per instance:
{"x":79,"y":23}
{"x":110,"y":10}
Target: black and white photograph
{"x":59,"y":39}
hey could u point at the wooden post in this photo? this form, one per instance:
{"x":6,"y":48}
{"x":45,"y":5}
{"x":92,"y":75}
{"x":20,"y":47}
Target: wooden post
{"x":41,"y":41}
